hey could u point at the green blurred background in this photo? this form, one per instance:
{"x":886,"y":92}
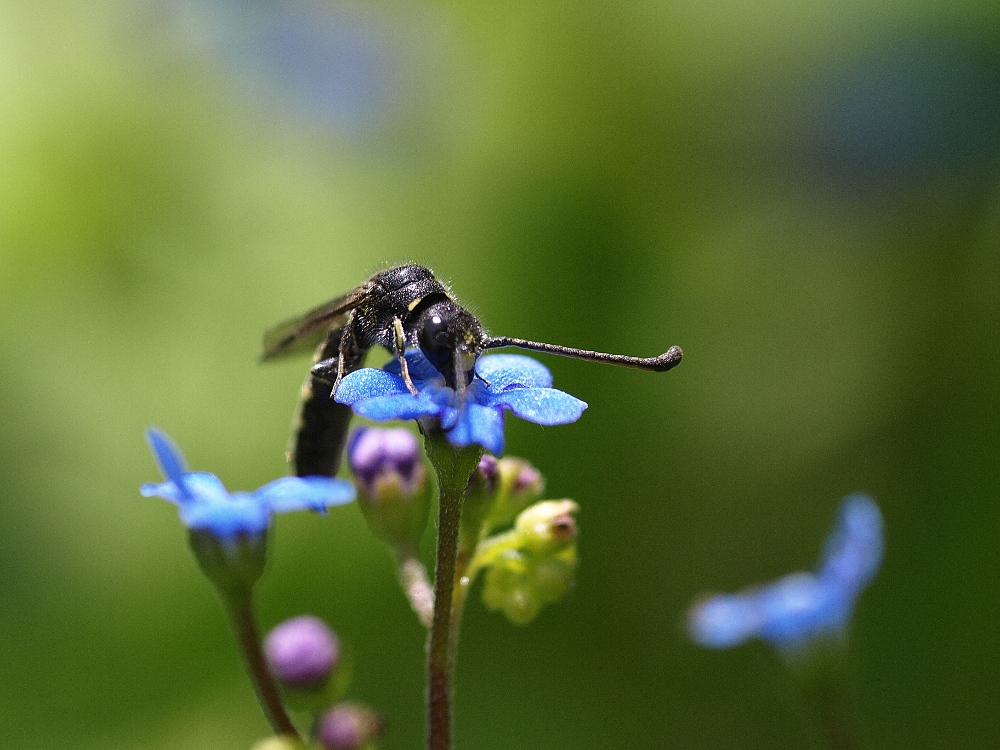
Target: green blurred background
{"x":803,"y":195}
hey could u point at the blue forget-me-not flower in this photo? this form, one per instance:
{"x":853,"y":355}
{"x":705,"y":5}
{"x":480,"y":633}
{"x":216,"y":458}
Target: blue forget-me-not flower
{"x":503,"y":382}
{"x":205,"y":504}
{"x":793,"y":610}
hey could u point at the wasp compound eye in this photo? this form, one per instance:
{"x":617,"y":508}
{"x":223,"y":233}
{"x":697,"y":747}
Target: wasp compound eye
{"x":436,"y":342}
{"x":434,"y":334}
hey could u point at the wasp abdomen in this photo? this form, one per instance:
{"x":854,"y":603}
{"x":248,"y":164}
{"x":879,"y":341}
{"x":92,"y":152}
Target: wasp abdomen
{"x":320,"y":430}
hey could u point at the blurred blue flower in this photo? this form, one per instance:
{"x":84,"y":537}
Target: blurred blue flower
{"x":799,"y":607}
{"x":504,"y":381}
{"x":907,"y":110}
{"x":326,"y":60}
{"x":205,"y":505}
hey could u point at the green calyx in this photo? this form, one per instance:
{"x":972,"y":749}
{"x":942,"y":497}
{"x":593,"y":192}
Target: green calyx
{"x":397,"y":510}
{"x":233,"y":566}
{"x":453,"y":465}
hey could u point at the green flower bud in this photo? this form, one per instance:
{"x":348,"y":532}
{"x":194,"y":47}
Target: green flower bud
{"x":279,"y":743}
{"x":547,"y":526}
{"x":507,"y":588}
{"x":552,"y":576}
{"x":533,"y":564}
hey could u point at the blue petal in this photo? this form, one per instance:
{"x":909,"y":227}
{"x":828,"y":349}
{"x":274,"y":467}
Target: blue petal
{"x":479,"y":425}
{"x":205,"y":486}
{"x":853,"y":553}
{"x":502,"y":371}
{"x":545,"y":406}
{"x":237,"y":515}
{"x":399,"y":406}
{"x":166,"y":490}
{"x":369,"y":383}
{"x":447,"y":416}
{"x":419,"y":366}
{"x":798,"y":607}
{"x":725,"y":620}
{"x":170,"y":459}
{"x":199,"y":486}
{"x":299,"y":493}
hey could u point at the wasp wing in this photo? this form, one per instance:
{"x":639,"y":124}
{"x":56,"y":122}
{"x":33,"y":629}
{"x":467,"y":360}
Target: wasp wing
{"x":284,"y":340}
{"x":305,"y":332}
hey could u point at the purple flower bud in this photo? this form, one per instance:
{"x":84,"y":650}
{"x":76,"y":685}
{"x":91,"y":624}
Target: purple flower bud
{"x":375,"y":454}
{"x":348,"y":726}
{"x":392,"y":484}
{"x":529,"y":478}
{"x":489,"y":472}
{"x":522,"y":481}
{"x":302,"y":651}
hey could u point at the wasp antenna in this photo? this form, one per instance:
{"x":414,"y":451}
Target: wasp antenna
{"x":666,"y":361}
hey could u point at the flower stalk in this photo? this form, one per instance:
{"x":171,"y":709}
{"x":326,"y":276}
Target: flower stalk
{"x":234,"y":567}
{"x":834,"y":719}
{"x":821,"y":673}
{"x":454,"y":466}
{"x":241,"y":614}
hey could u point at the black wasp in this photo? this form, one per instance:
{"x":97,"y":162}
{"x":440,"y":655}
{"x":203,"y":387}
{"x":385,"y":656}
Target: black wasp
{"x":399,"y":308}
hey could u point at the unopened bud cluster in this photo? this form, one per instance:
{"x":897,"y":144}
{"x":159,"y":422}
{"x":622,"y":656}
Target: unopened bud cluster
{"x":498,"y":490}
{"x":534,"y":564}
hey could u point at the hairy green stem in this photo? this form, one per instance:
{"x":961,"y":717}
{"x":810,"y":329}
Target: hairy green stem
{"x":441,"y":648}
{"x":241,"y":613}
{"x":454,"y":466}
{"x":830,"y":704}
{"x":823,"y":676}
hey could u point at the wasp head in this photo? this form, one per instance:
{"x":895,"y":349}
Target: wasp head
{"x":451,"y":339}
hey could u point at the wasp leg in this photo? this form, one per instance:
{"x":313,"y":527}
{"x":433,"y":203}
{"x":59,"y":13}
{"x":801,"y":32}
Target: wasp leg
{"x":401,"y":355}
{"x":346,"y":345}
